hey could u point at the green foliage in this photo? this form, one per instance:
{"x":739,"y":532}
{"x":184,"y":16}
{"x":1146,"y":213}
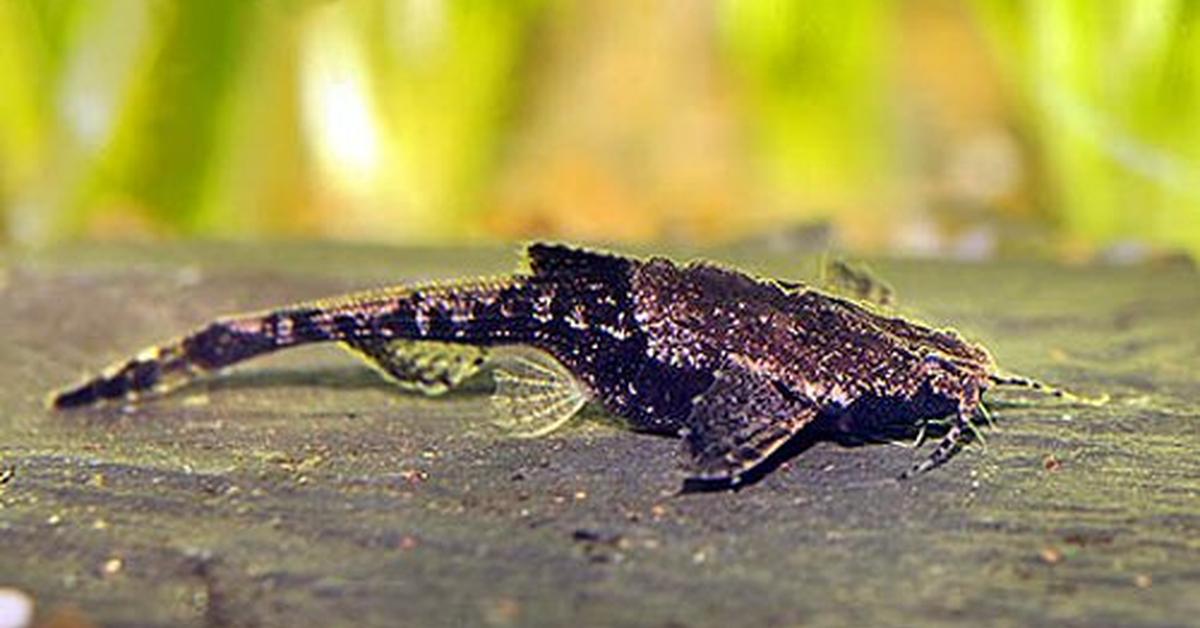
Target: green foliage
{"x":1111,"y":93}
{"x":122,"y":119}
{"x":811,"y":76}
{"x":163,"y":156}
{"x":389,"y":119}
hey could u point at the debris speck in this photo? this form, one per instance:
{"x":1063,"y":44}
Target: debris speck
{"x":413,"y":476}
{"x":1051,"y":555}
{"x":54,"y":520}
{"x":1143,"y":581}
{"x":112,"y":566}
{"x":583,"y":534}
{"x":1051,"y":463}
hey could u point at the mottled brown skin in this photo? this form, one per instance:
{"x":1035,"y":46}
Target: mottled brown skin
{"x":736,"y":365}
{"x":803,"y":353}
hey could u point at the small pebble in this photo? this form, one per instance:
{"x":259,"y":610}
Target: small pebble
{"x":16,"y":608}
{"x":112,"y":566}
{"x":1143,"y":581}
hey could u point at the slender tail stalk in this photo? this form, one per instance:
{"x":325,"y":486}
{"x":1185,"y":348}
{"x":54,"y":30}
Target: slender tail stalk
{"x":167,"y":366}
{"x":465,"y":312}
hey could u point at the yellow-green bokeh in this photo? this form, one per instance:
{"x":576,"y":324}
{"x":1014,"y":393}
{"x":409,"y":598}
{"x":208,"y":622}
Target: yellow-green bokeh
{"x":910,"y":125}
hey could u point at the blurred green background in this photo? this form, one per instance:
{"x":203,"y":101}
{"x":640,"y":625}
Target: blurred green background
{"x":964,"y":128}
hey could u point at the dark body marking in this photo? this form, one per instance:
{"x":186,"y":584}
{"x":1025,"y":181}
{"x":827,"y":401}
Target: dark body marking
{"x":735,"y":365}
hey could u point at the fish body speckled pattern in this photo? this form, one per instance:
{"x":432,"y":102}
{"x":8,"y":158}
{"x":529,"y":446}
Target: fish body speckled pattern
{"x":735,"y":365}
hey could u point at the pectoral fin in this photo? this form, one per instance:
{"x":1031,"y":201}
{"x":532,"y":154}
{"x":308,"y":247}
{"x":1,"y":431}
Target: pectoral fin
{"x":741,"y":420}
{"x":535,"y":394}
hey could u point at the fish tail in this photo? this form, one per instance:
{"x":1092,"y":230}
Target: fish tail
{"x":475,"y":312}
{"x":161,"y":368}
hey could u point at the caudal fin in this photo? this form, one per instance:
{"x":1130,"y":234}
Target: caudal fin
{"x":167,"y":366}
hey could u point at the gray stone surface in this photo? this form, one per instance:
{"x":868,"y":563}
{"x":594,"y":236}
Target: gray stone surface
{"x":301,"y":490}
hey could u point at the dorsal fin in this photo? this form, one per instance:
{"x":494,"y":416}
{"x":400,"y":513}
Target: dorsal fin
{"x":558,"y":259}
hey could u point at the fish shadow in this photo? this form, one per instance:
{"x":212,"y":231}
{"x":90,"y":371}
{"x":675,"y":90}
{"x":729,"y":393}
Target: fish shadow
{"x":343,"y":378}
{"x":847,"y":429}
{"x":348,"y":378}
{"x":841,"y":428}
